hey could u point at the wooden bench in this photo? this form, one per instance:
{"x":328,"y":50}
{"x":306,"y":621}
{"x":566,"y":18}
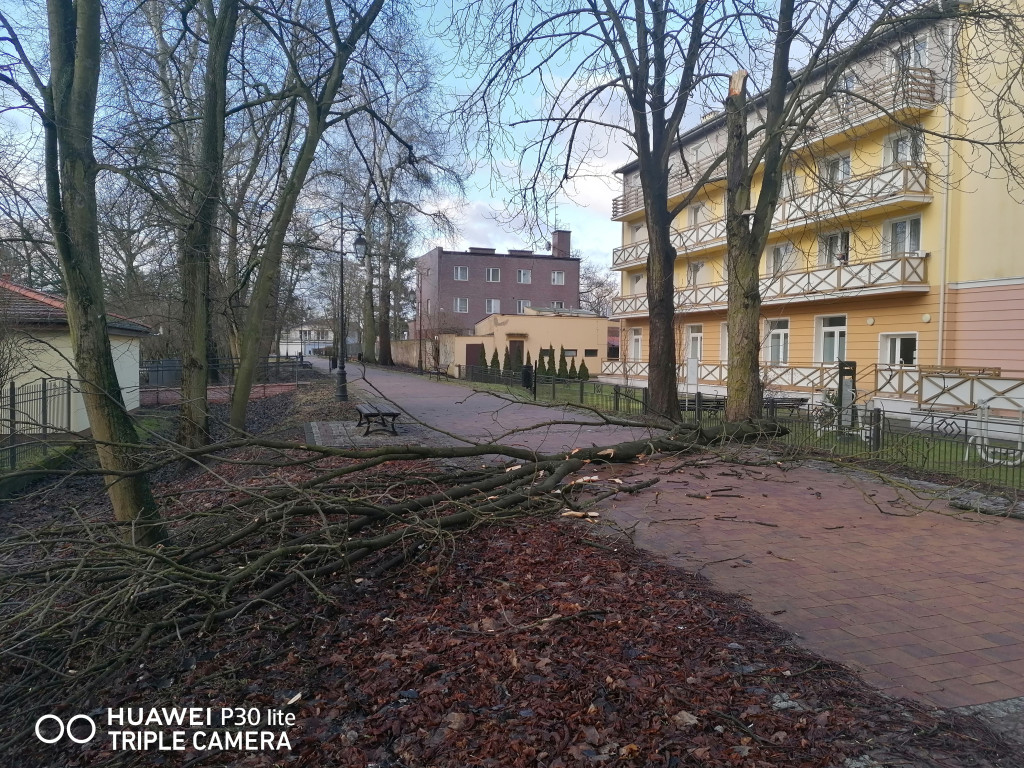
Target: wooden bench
{"x":792,"y":404}
{"x":372,"y":414}
{"x":707,"y":403}
{"x":438,"y":373}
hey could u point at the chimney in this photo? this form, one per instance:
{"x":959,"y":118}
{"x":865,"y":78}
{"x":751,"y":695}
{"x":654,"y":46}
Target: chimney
{"x":560,"y":243}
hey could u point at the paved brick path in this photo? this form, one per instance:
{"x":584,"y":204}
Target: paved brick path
{"x":925,"y":601}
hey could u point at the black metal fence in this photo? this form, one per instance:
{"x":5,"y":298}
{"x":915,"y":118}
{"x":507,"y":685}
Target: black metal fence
{"x":32,"y":416}
{"x":222,"y":370}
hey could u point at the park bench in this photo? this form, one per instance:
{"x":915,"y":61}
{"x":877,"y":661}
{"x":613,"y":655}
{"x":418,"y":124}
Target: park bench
{"x":792,"y":404}
{"x":438,"y":373}
{"x":706,"y":403}
{"x":372,"y":414}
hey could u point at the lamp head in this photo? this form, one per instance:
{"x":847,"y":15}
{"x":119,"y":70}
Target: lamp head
{"x":359,"y":246}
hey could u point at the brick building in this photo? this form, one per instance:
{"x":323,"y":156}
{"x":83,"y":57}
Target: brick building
{"x":458,"y":289}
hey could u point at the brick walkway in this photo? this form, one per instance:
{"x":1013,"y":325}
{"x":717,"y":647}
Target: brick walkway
{"x":926,"y":602}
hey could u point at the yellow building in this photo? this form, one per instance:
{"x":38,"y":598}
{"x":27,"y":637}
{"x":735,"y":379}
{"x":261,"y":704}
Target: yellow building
{"x":888,"y":247}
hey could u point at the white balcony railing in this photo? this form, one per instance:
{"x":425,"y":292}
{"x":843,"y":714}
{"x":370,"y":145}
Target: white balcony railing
{"x":893,"y":95}
{"x":890,"y":274}
{"x":882,"y":188}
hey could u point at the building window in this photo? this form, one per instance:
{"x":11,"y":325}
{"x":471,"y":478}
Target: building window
{"x":903,"y":236}
{"x":695,"y":215}
{"x":834,"y":249}
{"x":790,"y":184}
{"x":462,"y":273}
{"x":636,"y":339}
{"x":521,"y":305}
{"x":462,"y":306}
{"x":845,"y":88}
{"x":911,"y":54}
{"x":639,"y":283}
{"x":524,"y":276}
{"x":570,"y":353}
{"x":492,"y":306}
{"x":905,"y":149}
{"x":493,"y":275}
{"x":835,"y":170}
{"x":832,"y":338}
{"x":694,"y":342}
{"x":899,"y":348}
{"x":693,"y":272}
{"x":558,"y":305}
{"x":782,"y":258}
{"x":590,"y":353}
{"x":778,"y":342}
{"x":558,"y":278}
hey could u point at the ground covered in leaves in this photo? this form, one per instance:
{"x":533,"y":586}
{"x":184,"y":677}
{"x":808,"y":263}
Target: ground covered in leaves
{"x":537,"y":643}
{"x":533,"y":642}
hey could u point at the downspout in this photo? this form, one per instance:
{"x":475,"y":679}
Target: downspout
{"x":944,"y":267}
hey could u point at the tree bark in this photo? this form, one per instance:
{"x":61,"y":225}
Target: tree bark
{"x":744,"y":291}
{"x":369,"y":335}
{"x":70,"y":165}
{"x":201,"y":228}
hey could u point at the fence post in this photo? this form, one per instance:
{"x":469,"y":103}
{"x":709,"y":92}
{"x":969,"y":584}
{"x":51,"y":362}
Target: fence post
{"x":582,"y":383}
{"x":698,"y":406}
{"x":645,"y":400}
{"x":44,"y":416}
{"x":67,"y":403}
{"x":554,"y":395}
{"x":12,"y":416}
{"x":615,"y":398}
{"x":876,"y":429}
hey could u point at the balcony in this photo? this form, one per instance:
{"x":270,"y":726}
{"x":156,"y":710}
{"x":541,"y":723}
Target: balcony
{"x":900,"y":95}
{"x":896,"y":186}
{"x":804,"y":378}
{"x":692,"y":238}
{"x":884,"y":190}
{"x":898,"y":273}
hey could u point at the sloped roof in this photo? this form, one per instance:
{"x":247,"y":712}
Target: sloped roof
{"x":22,"y":306}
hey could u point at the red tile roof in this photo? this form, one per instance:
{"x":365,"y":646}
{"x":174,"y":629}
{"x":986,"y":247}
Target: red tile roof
{"x":25,"y":306}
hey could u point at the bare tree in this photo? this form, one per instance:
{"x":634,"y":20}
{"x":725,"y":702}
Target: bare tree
{"x":598,"y":287}
{"x":66,"y":107}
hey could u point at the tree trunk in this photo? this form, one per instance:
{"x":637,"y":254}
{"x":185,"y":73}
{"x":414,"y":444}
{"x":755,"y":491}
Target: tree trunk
{"x":70,"y":102}
{"x":369,"y":335}
{"x":744,"y":313}
{"x":201,"y":229}
{"x":384,"y":315}
{"x":661,"y":353}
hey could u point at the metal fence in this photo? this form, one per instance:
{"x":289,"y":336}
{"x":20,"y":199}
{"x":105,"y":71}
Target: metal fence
{"x":31,"y":417}
{"x":222,"y":370}
{"x":955,"y":446}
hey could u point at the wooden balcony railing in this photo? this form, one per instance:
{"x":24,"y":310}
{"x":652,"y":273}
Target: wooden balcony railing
{"x":894,"y":94}
{"x":884,"y":187}
{"x":890,"y":274}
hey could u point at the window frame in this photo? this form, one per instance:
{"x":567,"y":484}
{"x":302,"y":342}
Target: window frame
{"x":774,"y":330}
{"x":487,"y":275}
{"x":496,"y":310}
{"x":527,"y":273}
{"x":521,"y":305}
{"x":561,"y":277}
{"x":834,"y":249}
{"x":455,"y":307}
{"x":465,"y":272}
{"x":840,"y":332}
{"x":889,"y":239}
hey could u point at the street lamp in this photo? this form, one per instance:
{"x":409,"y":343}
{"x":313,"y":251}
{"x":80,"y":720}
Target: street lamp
{"x":359,"y":246}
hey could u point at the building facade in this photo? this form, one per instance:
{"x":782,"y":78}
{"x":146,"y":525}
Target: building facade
{"x":458,"y":289}
{"x":888,"y":247}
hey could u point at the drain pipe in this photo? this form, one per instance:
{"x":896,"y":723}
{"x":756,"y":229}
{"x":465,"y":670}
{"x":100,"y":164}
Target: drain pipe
{"x":947,"y":202}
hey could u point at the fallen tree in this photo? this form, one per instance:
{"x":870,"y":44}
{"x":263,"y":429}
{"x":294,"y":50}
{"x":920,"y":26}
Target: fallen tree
{"x":262,"y":518}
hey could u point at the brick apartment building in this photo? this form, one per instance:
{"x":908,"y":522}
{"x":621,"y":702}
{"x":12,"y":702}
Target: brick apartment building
{"x":458,"y":289}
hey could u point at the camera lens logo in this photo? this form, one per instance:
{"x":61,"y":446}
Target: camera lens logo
{"x":45,"y":730}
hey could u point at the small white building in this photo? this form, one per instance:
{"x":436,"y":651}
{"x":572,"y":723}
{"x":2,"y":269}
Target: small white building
{"x":306,"y":338}
{"x":36,"y":344}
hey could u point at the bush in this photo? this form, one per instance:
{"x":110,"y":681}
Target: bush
{"x":495,"y":365}
{"x":572,"y":369}
{"x":584,"y":374}
{"x":563,"y":369}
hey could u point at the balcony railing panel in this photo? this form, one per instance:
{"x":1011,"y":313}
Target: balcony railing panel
{"x":894,"y":273}
{"x":910,"y":89}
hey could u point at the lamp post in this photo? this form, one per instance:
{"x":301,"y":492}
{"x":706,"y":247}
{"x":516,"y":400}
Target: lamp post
{"x":342,"y":346}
